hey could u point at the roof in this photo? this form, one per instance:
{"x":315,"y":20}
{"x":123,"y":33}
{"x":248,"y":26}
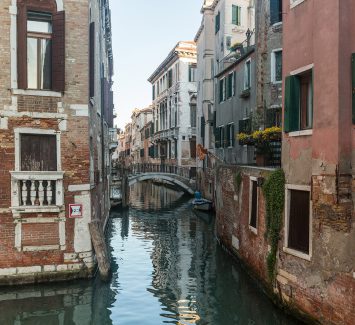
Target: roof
{"x":240,"y":59}
{"x":181,"y":49}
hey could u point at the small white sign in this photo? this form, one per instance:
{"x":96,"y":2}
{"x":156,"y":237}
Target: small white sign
{"x":75,"y":210}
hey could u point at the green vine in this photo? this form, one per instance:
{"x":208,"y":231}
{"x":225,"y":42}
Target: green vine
{"x":274,"y":192}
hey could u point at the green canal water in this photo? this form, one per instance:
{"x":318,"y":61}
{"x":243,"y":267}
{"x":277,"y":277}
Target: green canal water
{"x":167,"y":269}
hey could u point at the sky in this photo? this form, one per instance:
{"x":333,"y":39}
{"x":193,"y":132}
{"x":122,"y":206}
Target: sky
{"x":143,"y":34}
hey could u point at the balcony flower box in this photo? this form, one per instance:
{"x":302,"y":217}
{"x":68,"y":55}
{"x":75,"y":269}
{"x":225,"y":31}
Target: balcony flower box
{"x":245,"y":93}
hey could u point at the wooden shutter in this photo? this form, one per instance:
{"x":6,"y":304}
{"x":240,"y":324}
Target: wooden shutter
{"x":92,"y":59}
{"x":21,"y":46}
{"x":217,"y":138}
{"x":220,"y":90}
{"x":202,"y":127}
{"x":298,"y":228}
{"x":233,"y":135}
{"x":254,"y":204}
{"x":353,"y":84}
{"x":292,"y":104}
{"x":38,"y":152}
{"x":58,"y":52}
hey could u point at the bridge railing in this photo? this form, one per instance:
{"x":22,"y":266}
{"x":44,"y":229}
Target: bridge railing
{"x":186,"y":172}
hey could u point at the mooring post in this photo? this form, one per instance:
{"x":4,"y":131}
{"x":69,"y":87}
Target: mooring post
{"x":125,"y":189}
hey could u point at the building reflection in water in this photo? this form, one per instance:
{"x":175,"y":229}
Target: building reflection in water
{"x":166,"y":269}
{"x":58,"y":304}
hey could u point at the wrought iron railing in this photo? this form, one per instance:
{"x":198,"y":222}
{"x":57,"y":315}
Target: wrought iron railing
{"x":186,"y":172}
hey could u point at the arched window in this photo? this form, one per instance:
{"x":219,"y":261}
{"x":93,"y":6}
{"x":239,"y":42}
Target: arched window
{"x":40,"y":45}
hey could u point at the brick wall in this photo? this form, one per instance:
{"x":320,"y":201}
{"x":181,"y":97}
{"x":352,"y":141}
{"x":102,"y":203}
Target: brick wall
{"x":322,"y":288}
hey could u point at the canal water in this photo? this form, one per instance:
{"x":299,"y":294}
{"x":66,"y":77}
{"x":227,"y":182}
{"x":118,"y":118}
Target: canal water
{"x":167,"y":269}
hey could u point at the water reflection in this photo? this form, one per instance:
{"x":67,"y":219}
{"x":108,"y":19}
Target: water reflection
{"x":167,"y":269}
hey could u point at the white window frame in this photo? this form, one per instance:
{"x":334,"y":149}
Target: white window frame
{"x":251,"y":180}
{"x":246,"y":74}
{"x":273,"y":66}
{"x":230,"y":136}
{"x":19,"y":131}
{"x":295,"y":3}
{"x":224,"y":90}
{"x":286,"y":249}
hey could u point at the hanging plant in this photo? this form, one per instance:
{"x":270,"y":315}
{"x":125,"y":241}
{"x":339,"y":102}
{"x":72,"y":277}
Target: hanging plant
{"x":274,"y":192}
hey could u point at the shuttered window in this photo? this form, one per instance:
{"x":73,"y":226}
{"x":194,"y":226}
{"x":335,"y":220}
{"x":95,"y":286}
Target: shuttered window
{"x":40,"y":46}
{"x":245,"y":126}
{"x":275,"y":11}
{"x":298,"y":111}
{"x":202,"y":127}
{"x":217,"y":22}
{"x":298,"y":227}
{"x":236,"y":15}
{"x":230,"y":85}
{"x":221,"y":90}
{"x":193,"y":147}
{"x":253,"y":204}
{"x":38,"y":152}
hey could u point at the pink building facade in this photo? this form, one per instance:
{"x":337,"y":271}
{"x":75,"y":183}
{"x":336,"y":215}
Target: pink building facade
{"x":317,"y":261}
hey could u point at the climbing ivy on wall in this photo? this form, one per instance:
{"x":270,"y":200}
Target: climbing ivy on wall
{"x":274,"y":192}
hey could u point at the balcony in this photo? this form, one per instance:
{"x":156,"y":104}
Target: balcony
{"x":35,"y":192}
{"x":113,"y":141}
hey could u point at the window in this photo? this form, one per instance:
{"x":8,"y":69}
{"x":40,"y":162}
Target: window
{"x":236,"y":15}
{"x":298,"y":221}
{"x":230,"y":135}
{"x":39,"y":51}
{"x":40,"y":47}
{"x":170,"y":78}
{"x":217,"y":22}
{"x":38,"y":152}
{"x":276,"y":66}
{"x":193,"y":115}
{"x":299,"y":102}
{"x":253,"y":203}
{"x":193,"y":147}
{"x":192,"y":72}
{"x":247,"y":82}
{"x":228,"y":42}
{"x":230,"y":85}
{"x":222,"y":90}
{"x":275,"y":11}
{"x":233,"y":83}
{"x":245,"y":126}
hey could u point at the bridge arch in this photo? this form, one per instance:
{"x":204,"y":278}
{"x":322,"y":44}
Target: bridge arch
{"x":183,"y":184}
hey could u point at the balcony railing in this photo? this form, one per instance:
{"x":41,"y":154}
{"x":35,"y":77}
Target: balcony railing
{"x":186,"y":172}
{"x":37,"y":191}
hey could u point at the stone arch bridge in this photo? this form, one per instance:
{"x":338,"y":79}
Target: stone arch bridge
{"x":182,"y":177}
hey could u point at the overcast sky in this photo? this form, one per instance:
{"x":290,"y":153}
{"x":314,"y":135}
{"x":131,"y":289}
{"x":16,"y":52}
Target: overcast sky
{"x":144,"y":32}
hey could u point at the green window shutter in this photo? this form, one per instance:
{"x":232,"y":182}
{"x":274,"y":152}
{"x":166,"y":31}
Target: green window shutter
{"x":234,"y":14}
{"x":217,"y":138}
{"x":221,"y":90}
{"x":233,"y":135}
{"x":239,"y":9}
{"x":353,"y":84}
{"x":292,"y":104}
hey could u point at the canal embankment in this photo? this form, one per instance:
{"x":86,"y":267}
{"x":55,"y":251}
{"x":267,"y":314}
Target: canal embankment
{"x":253,"y":225}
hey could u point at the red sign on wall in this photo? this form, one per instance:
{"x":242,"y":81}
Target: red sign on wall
{"x":75,"y":210}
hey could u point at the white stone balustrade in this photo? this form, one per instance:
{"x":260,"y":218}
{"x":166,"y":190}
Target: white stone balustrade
{"x":37,"y":191}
